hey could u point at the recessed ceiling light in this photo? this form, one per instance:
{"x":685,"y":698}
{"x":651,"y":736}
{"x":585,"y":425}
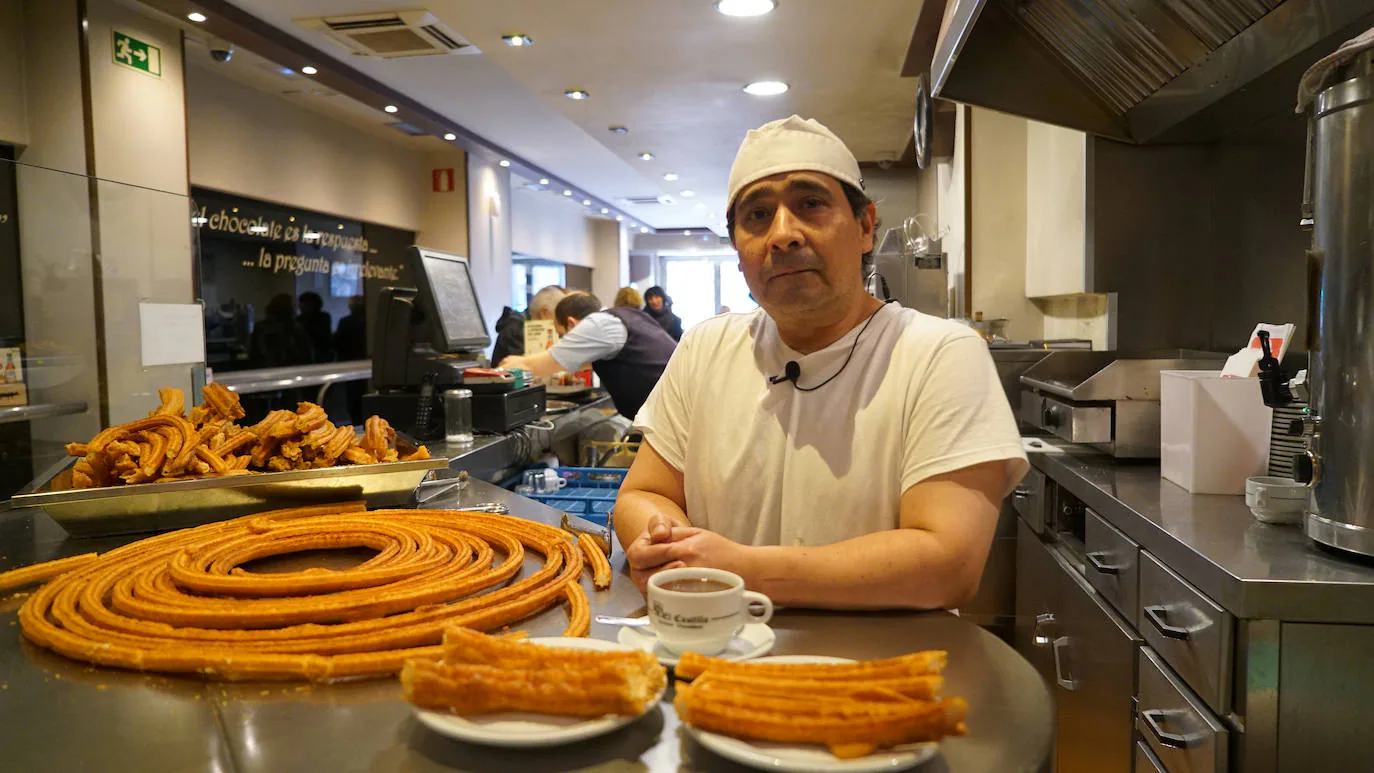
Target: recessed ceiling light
{"x":567,"y":193}
{"x":196,"y":16}
{"x":688,"y":194}
{"x":619,"y":218}
{"x":391,"y":108}
{"x":577,"y":94}
{"x":505,"y":163}
{"x":543,"y":181}
{"x":309,"y":70}
{"x":646,"y":156}
{"x":643,"y":230}
{"x":618,"y":130}
{"x":518,"y":41}
{"x":450,"y":136}
{"x":586,"y":202}
{"x":605,"y":211}
{"x":686,"y":232}
{"x":746,"y":7}
{"x":670,"y":177}
{"x":766,"y":88}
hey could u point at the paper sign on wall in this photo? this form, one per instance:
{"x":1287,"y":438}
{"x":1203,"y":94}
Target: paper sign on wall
{"x":172,"y":333}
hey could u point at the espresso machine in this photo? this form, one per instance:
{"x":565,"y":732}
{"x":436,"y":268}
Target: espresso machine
{"x":1338,"y":431}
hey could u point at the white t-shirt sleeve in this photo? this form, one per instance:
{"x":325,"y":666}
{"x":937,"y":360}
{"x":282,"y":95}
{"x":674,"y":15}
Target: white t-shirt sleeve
{"x":665,"y":416}
{"x":599,"y":336}
{"x":958,"y":416}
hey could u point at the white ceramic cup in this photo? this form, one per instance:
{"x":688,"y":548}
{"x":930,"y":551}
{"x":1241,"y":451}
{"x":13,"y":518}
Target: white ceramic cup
{"x":704,"y":622}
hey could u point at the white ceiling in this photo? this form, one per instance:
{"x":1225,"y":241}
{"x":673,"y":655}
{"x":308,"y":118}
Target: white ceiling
{"x":670,"y":70}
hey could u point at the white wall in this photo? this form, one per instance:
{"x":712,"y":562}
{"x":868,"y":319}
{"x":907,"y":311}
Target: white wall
{"x":14,"y":119}
{"x":610,"y":255}
{"x":444,"y":219}
{"x":951,"y":208}
{"x":55,"y":224}
{"x":543,"y":225}
{"x":901,"y":192}
{"x":489,"y":235}
{"x":139,"y":135}
{"x":996,"y":248}
{"x":264,"y":147}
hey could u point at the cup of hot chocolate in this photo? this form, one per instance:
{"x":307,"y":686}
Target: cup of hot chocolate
{"x":701,"y":610}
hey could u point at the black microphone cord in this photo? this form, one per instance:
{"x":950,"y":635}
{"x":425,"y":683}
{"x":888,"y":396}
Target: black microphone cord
{"x":796,"y":369}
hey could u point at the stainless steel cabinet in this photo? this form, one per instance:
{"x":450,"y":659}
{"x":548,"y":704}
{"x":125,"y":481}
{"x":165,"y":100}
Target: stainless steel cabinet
{"x":1086,"y":652}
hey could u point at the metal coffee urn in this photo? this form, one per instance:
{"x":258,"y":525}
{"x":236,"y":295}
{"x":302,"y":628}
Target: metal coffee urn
{"x":1338,"y":465}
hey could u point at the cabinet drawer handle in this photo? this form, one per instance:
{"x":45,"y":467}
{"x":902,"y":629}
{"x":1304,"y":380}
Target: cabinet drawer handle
{"x":1153,"y":717}
{"x":1095,"y":559}
{"x":1155,"y":614}
{"x":1039,"y":636}
{"x":1020,"y":494}
{"x":1068,"y":683}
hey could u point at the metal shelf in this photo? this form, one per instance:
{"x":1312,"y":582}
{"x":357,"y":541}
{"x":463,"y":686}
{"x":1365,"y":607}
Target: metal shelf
{"x":39,"y":411}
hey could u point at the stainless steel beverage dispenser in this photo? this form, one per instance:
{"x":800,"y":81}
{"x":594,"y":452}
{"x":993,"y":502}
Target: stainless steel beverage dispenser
{"x":1339,"y":462}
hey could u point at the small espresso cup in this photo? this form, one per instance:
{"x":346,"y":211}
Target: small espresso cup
{"x":701,"y":610}
{"x":549,"y":482}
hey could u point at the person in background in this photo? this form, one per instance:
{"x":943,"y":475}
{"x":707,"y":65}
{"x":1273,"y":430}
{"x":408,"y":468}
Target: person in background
{"x":317,"y":325}
{"x":660,"y":307}
{"x":279,"y":339}
{"x":628,"y":297}
{"x":625,"y":346}
{"x":350,"y":343}
{"x":510,"y":328}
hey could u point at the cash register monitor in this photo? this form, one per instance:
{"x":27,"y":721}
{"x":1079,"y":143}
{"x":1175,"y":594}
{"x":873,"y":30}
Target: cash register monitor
{"x":450,"y":300}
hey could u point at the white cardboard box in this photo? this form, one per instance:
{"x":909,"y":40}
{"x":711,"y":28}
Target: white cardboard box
{"x":1214,"y":431}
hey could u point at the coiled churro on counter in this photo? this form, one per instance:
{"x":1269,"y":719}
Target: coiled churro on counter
{"x":179,"y":602}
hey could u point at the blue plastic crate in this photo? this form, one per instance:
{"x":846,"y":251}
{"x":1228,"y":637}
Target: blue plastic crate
{"x":590,"y":493}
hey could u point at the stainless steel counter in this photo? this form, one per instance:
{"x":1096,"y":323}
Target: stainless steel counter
{"x":1256,"y":571}
{"x":58,"y":715}
{"x":493,"y":457}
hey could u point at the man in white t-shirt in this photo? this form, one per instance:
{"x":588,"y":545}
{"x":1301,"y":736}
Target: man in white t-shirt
{"x":832,"y":450}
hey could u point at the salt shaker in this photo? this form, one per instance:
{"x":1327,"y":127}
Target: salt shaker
{"x":458,"y":416}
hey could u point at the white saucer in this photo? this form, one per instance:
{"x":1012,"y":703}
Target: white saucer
{"x":754,"y":640}
{"x":524,"y":731}
{"x":807,"y":758}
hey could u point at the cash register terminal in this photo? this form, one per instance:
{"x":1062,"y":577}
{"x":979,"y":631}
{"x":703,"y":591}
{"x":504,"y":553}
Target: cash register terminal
{"x":424,"y":338}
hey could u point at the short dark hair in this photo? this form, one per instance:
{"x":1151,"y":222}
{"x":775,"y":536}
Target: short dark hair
{"x":655,"y":292}
{"x":576,"y":306}
{"x":312,"y":298}
{"x":858,"y":202}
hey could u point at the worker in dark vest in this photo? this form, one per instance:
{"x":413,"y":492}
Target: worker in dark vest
{"x":625,"y":346}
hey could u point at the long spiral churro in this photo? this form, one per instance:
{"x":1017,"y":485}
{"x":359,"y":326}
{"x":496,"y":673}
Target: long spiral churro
{"x":179,"y":602}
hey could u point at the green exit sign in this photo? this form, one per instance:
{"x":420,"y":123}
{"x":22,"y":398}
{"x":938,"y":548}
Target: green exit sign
{"x":133,"y":53}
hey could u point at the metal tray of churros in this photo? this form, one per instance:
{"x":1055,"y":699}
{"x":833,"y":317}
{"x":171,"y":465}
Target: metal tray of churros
{"x":146,"y":507}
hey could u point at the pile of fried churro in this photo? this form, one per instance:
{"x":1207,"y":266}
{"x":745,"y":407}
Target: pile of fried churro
{"x":172,"y":444}
{"x":482,"y":674}
{"x":853,"y":708}
{"x":180,"y":602}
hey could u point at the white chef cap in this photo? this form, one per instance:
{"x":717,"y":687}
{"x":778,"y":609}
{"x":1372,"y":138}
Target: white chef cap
{"x":791,"y":145}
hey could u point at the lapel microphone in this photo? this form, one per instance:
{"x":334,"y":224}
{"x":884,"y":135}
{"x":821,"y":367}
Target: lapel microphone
{"x":792,"y":370}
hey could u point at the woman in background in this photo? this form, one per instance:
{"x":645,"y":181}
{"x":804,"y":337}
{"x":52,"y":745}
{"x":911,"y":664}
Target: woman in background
{"x":629,"y":297}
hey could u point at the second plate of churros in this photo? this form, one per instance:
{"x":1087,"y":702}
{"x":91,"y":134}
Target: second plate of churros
{"x":798,"y":713}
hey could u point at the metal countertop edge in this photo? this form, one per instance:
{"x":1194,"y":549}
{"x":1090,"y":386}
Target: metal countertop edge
{"x":1290,"y":602}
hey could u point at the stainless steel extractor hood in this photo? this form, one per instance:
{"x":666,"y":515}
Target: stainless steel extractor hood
{"x":1138,"y":70}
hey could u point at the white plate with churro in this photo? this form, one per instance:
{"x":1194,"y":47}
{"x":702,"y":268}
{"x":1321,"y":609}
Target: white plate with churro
{"x":542,"y":692}
{"x":753,"y":641}
{"x":800,"y":713}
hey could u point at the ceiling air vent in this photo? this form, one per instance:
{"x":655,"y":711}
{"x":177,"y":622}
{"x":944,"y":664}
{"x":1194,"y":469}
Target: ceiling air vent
{"x":391,"y":34}
{"x":650,"y":200}
{"x":407,"y":129}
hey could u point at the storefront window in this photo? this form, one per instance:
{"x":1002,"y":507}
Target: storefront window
{"x":530,"y":275}
{"x":285,"y":286}
{"x":702,"y":286}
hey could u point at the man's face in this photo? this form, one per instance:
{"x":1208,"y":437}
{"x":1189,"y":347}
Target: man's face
{"x":800,"y":245}
{"x":655,"y":302}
